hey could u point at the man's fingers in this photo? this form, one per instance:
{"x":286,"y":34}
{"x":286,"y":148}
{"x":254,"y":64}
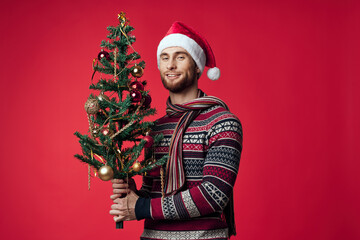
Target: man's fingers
{"x":116,"y":212}
{"x":118,"y":201}
{"x":118,"y":195}
{"x":121,"y":191}
{"x":120,"y":185}
{"x":118,"y":218}
{"x":119,"y":209}
{"x":117,"y":180}
{"x":115,"y":196}
{"x":117,"y":206}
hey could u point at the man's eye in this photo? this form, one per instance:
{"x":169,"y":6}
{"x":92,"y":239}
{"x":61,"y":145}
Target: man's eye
{"x":181,"y":57}
{"x":165,"y":58}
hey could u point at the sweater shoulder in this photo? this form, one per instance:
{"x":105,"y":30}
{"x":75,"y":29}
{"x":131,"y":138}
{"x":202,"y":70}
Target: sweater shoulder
{"x":217,"y":114}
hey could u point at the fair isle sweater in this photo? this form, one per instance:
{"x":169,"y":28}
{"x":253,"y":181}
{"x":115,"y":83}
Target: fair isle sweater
{"x":212,"y":147}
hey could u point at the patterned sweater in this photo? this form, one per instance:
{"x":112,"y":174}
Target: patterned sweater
{"x":212,"y":147}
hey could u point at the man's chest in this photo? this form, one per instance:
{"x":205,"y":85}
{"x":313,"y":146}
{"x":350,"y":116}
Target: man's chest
{"x":194,"y":149}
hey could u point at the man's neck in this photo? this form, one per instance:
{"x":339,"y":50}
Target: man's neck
{"x":184,"y":96}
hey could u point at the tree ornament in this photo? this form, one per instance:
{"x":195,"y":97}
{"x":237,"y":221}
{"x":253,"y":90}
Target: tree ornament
{"x":92,"y":105}
{"x":103,"y":97}
{"x":149,"y":141}
{"x":95,"y":132}
{"x":106,"y":173}
{"x":106,"y":131}
{"x":103,"y":54}
{"x":137,"y":166}
{"x":137,"y":71}
{"x":122,"y":19}
{"x":147,"y":101}
{"x":135,"y":96}
{"x":136,"y":85}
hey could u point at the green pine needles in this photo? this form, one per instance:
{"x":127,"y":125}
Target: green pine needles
{"x":117,"y":130}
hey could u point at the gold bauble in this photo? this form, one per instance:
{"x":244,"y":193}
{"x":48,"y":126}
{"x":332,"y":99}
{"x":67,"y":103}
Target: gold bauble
{"x":106,"y":173}
{"x":92,"y":106}
{"x":103,"y":97}
{"x":136,"y":167}
{"x":137,"y":71}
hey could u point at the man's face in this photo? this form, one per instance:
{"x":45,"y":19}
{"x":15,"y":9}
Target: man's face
{"x":178,"y":70}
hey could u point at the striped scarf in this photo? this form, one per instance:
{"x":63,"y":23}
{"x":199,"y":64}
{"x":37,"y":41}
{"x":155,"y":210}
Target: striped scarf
{"x":175,"y":176}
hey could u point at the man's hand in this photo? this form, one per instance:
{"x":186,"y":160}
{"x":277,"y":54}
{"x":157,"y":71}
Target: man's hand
{"x":121,"y":188}
{"x":124,"y":208}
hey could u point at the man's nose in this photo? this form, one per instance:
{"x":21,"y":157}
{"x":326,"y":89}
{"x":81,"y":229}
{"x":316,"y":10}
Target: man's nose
{"x":171,"y":64}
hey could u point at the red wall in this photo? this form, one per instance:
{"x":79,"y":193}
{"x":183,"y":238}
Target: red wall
{"x":290,"y":72}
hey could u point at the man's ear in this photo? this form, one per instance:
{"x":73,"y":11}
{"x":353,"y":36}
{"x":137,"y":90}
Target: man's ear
{"x":197,"y":70}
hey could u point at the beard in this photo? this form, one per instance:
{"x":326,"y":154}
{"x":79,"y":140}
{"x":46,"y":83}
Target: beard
{"x":179,"y":86}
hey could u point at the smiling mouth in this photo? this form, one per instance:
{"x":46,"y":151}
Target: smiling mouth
{"x":172,"y":76}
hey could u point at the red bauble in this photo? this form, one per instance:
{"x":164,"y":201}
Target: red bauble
{"x":147,"y":101}
{"x":136,"y":85}
{"x":103,"y":54}
{"x":149,"y":141}
{"x":135,"y":95}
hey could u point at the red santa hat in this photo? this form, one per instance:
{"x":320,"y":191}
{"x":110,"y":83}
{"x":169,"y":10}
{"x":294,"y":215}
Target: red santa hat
{"x":181,"y":35}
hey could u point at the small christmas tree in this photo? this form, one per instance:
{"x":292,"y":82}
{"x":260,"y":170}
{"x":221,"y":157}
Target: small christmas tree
{"x":117,"y":131}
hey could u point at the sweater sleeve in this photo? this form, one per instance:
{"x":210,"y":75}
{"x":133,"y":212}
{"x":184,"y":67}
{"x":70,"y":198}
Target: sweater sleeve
{"x":219,"y":174}
{"x":145,"y":189}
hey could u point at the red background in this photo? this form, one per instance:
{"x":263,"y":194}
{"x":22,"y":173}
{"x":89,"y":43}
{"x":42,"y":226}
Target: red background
{"x":290,"y":72}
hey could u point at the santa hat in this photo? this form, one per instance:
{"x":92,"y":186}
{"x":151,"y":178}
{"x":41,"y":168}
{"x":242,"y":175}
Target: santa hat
{"x":181,"y":35}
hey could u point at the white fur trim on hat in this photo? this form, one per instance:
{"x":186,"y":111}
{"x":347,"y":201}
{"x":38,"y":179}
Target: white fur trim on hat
{"x":213,"y":73}
{"x":180,"y":40}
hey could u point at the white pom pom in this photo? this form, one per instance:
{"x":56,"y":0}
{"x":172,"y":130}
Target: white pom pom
{"x":213,"y":73}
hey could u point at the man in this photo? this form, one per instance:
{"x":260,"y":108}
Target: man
{"x":191,"y":197}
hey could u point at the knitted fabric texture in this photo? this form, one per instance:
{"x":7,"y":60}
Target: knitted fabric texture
{"x":175,"y":177}
{"x":211,"y":149}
